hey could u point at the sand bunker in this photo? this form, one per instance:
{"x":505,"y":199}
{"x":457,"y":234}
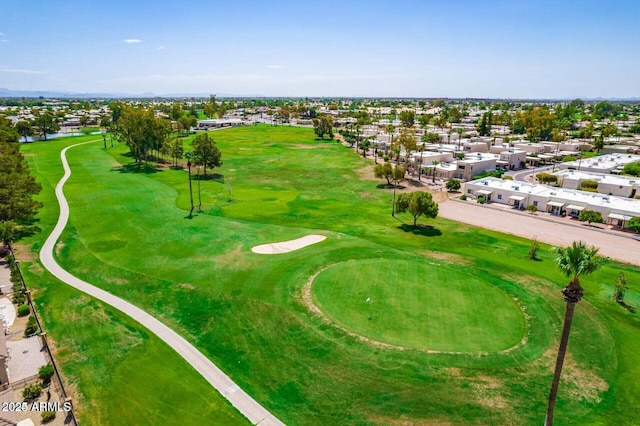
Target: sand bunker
{"x":287,"y":246}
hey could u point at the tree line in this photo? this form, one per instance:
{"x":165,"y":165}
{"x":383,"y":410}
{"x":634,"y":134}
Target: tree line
{"x":17,"y":186}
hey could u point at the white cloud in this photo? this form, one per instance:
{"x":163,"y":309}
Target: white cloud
{"x":274,"y":66}
{"x":1,"y":34}
{"x":132,"y":40}
{"x":160,"y":48}
{"x":4,"y":41}
{"x":20,"y":71}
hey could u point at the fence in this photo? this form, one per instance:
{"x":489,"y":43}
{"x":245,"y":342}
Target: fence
{"x":57,"y":376}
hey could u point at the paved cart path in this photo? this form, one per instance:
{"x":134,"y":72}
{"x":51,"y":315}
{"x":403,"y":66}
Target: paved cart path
{"x":619,"y":247}
{"x":251,"y":409}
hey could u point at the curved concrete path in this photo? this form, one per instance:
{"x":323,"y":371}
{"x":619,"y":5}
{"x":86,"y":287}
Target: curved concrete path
{"x":253,"y":411}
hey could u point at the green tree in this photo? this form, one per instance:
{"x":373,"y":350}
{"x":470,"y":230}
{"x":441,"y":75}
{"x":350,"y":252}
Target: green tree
{"x":484,"y":128}
{"x":425,"y":119}
{"x":323,"y":125}
{"x":388,"y":172}
{"x":45,"y":124}
{"x":453,"y":185}
{"x":17,"y":186}
{"x":598,"y":143}
{"x":431,"y":138}
{"x":24,"y":129}
{"x":620,"y":289}
{"x":364,"y":145}
{"x":206,"y":153}
{"x":185,"y":123}
{"x":590,"y":216}
{"x":632,"y":169}
{"x":176,"y":111}
{"x":408,"y":118}
{"x":573,"y":261}
{"x":141,"y":131}
{"x":418,"y":203}
{"x":634,"y":224}
{"x":209,"y":109}
{"x":174,"y":148}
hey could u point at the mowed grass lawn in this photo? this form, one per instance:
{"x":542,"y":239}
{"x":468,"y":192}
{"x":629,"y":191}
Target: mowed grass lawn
{"x":129,"y":234}
{"x":419,"y":305}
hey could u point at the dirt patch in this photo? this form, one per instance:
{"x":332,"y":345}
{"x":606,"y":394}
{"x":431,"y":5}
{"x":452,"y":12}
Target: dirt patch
{"x":366,"y":173}
{"x":447,"y":257}
{"x":187,"y":286}
{"x":454,"y":372}
{"x":579,"y":382}
{"x":119,"y":281}
{"x":23,"y":253}
{"x":59,"y":246}
{"x":405,"y":421}
{"x":301,"y":146}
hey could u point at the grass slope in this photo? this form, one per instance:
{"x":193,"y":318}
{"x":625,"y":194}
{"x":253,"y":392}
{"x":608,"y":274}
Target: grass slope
{"x":128,"y":234}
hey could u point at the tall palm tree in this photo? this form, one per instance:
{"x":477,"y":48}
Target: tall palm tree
{"x":188,"y":156}
{"x":460,"y":131}
{"x":573,"y":261}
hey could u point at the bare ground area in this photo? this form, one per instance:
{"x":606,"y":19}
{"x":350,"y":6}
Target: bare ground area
{"x":617,"y":247}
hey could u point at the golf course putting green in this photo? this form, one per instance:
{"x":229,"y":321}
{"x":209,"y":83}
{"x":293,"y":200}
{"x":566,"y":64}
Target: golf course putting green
{"x":419,"y":305}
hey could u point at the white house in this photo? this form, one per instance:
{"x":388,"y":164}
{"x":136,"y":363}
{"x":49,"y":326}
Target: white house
{"x":616,"y":211}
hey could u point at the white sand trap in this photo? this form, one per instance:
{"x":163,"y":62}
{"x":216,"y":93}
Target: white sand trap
{"x":287,"y":246}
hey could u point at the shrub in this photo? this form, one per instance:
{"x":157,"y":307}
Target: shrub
{"x":32,"y":327}
{"x":589,"y":185}
{"x":46,"y":373}
{"x":546,"y":178}
{"x":386,"y":158}
{"x":23,"y":310}
{"x":47,"y":416}
{"x":463,"y":197}
{"x":532,"y":209}
{"x":507,"y":177}
{"x":453,"y":184}
{"x":380,"y":154}
{"x":634,"y":224}
{"x":533,"y":248}
{"x":18,"y":298}
{"x":632,"y":169}
{"x":568,"y":158}
{"x":481,"y":200}
{"x":32,"y":391}
{"x":590,"y":216}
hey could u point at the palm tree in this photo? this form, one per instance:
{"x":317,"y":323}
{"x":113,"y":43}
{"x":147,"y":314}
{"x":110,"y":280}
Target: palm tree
{"x":573,"y":261}
{"x":460,"y":131}
{"x":188,"y":156}
{"x":435,"y":164}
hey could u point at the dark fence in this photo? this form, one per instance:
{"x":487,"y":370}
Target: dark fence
{"x":71,"y":416}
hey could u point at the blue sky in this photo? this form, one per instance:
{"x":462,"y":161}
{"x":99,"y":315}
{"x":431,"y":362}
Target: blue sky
{"x":455,"y":48}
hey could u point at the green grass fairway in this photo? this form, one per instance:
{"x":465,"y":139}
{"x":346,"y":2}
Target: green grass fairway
{"x":129,"y":234}
{"x":418,"y":305}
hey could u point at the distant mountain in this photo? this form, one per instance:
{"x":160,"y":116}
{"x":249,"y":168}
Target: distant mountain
{"x":9,"y":93}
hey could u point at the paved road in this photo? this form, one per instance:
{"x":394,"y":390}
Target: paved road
{"x":256,"y":413}
{"x":520,"y":175}
{"x":553,"y":232}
